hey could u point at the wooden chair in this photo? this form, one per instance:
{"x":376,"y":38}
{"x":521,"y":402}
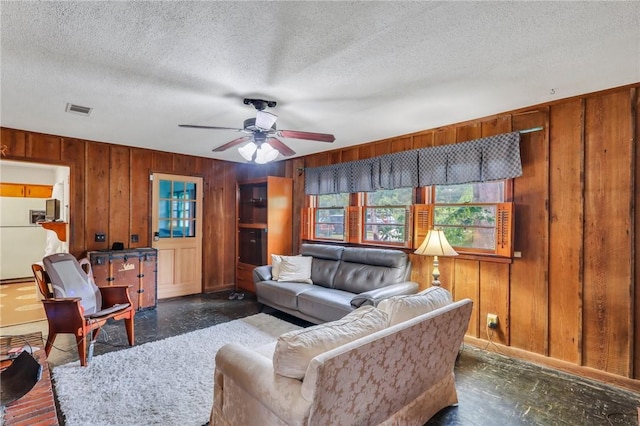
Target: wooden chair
{"x":74,"y":304}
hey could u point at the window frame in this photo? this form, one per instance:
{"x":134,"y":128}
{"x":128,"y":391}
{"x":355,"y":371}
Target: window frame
{"x":366,"y":207}
{"x":316,"y":223}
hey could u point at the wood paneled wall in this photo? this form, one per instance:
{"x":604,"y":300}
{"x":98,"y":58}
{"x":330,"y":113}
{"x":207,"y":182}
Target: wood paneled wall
{"x":111,"y":193}
{"x":572,"y":301}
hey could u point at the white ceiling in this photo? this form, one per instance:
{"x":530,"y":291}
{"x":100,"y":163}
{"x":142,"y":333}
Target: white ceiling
{"x":363,"y":71}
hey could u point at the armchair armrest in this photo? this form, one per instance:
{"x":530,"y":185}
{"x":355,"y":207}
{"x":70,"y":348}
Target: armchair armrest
{"x":254,"y":374}
{"x":65,"y":312}
{"x":114,"y":295}
{"x":262,"y":273}
{"x":373,"y":297}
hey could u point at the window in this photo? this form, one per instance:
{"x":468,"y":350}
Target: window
{"x":474,"y":217}
{"x":329,"y":216}
{"x":386,"y":216}
{"x":176,"y":209}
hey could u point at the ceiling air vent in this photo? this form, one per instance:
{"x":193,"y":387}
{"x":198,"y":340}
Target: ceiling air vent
{"x":77,"y":109}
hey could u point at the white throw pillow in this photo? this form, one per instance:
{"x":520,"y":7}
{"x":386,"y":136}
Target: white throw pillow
{"x":295,"y":349}
{"x":403,"y":308}
{"x":295,"y":269}
{"x":275,"y":266}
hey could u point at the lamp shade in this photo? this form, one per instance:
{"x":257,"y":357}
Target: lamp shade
{"x":435,"y":244}
{"x":265,"y":120}
{"x":248,"y":150}
{"x":266,"y":153}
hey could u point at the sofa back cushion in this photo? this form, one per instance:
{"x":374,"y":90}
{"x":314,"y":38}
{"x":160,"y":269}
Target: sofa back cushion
{"x":367,"y":381}
{"x":364,"y":269}
{"x":325,"y":262}
{"x":403,"y":308}
{"x":295,"y":349}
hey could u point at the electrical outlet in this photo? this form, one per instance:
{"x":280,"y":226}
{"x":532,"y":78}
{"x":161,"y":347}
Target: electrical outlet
{"x":492,"y":321}
{"x":134,"y":238}
{"x":100,"y":237}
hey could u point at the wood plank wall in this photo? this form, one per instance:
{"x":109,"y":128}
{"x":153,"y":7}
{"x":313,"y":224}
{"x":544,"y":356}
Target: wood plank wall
{"x":111,"y":193}
{"x":571,"y":301}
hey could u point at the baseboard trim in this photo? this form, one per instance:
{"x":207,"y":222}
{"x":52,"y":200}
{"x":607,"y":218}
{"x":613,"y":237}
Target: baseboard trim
{"x":564,"y":366}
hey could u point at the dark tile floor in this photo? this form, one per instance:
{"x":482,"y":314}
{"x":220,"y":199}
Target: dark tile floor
{"x":492,"y":389}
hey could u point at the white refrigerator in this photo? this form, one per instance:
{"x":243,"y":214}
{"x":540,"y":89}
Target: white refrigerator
{"x":21,"y":242}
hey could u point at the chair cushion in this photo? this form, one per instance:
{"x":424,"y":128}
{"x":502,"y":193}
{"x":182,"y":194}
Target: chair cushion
{"x":108,"y":311}
{"x":69,"y":280}
{"x":295,"y":349}
{"x":403,"y":308}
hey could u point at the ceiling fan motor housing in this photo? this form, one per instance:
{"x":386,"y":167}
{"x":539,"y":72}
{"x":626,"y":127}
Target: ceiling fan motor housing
{"x":260,"y":104}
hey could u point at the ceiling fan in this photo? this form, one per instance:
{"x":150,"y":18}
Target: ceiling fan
{"x":263,"y":143}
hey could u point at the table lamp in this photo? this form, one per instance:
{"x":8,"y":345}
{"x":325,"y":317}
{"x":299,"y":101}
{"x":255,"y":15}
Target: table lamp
{"x":435,"y":244}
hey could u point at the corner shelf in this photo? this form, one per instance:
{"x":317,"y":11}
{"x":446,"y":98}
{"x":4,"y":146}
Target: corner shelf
{"x":60,"y":228}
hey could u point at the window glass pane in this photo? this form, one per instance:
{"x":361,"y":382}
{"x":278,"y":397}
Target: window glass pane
{"x":190,"y":188}
{"x":164,"y":209}
{"x":164,"y":228}
{"x":190,"y":228}
{"x":329,"y":223}
{"x":333,"y":200}
{"x":385,"y":224}
{"x":177,"y":231}
{"x":190,"y":210}
{"x":178,"y":189}
{"x":390,"y":197}
{"x":465,"y":215}
{"x":164,"y":188}
{"x":175,"y":209}
{"x":483,"y":192}
{"x":388,"y":233}
{"x":476,"y":238}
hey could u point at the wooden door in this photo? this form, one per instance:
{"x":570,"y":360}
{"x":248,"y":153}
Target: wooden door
{"x":177,"y":233}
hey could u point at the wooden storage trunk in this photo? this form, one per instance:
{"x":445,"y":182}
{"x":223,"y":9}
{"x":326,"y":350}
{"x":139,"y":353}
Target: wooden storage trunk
{"x":135,"y":267}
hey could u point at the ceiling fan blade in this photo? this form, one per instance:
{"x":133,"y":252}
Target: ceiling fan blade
{"x":233,"y":143}
{"x":277,"y":144}
{"x":193,"y":126}
{"x":320,"y":137}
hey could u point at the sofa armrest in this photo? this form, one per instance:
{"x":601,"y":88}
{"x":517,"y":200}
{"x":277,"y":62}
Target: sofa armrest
{"x":262,"y":273}
{"x":253,"y":373}
{"x":373,"y":297}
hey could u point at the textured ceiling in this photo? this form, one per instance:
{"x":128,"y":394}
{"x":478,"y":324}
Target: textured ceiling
{"x":360,"y":70}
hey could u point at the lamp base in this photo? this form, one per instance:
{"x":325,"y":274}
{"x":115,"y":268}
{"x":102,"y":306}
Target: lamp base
{"x":435,"y":273}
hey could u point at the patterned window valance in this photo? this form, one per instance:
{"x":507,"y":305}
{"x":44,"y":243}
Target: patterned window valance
{"x":492,"y":158}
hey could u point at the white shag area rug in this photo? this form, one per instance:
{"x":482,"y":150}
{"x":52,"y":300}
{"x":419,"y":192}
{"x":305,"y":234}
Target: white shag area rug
{"x":167,"y":382}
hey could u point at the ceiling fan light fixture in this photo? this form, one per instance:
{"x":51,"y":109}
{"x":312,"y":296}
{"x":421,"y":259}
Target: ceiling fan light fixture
{"x":265,"y":120}
{"x":266,"y":153}
{"x":248,"y":150}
